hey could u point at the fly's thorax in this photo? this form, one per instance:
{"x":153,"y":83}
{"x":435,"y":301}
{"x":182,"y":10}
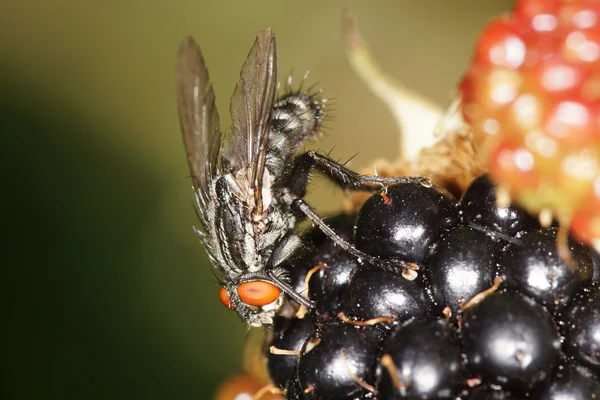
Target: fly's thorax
{"x":245,"y":243}
{"x":239,"y":185}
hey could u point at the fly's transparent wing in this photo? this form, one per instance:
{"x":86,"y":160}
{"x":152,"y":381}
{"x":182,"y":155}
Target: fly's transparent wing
{"x":251,"y":106}
{"x":198,"y":116}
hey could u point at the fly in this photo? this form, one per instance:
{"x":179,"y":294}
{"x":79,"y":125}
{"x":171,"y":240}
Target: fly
{"x":248,"y":183}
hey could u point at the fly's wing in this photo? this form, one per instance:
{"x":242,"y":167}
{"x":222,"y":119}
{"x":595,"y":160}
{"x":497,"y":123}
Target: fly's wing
{"x":251,"y":106}
{"x":198,"y":118}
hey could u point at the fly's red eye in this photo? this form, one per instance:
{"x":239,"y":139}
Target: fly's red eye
{"x":258,"y":293}
{"x":225,"y":299}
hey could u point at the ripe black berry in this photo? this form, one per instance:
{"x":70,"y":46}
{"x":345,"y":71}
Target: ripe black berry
{"x":569,"y":382}
{"x":317,"y":248}
{"x":596,"y":262}
{"x":293,"y":391}
{"x":490,"y":393}
{"x":582,"y":328}
{"x":404,"y":220}
{"x":459,"y":265}
{"x":327,"y":287}
{"x":533,"y":266}
{"x":288,"y":335}
{"x":479,"y":207}
{"x":510,"y":340}
{"x":376,"y":333}
{"x":336,"y":363}
{"x":422,"y":359}
{"x":374,"y":292}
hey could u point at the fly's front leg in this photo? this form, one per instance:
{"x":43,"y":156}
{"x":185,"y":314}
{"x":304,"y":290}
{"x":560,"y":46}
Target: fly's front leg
{"x":300,"y":206}
{"x":344,"y":177}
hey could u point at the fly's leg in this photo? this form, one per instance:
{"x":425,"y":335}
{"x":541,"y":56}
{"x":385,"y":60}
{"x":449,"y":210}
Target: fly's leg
{"x":338,"y":173}
{"x":349,"y":180}
{"x":396,"y":265}
{"x":287,"y":289}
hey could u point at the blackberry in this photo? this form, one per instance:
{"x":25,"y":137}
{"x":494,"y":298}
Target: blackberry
{"x":532,"y":265}
{"x":490,"y":393}
{"x":510,"y":340}
{"x":569,"y":382}
{"x":479,"y":208}
{"x":328,"y":286}
{"x":403,"y":220}
{"x":326,"y":265}
{"x":469,"y":323}
{"x":289,"y":336}
{"x":374,"y":293}
{"x":596,"y":262}
{"x":293,"y":391}
{"x":582,"y":328}
{"x":338,"y":362}
{"x":422,"y":359}
{"x":459,"y":265}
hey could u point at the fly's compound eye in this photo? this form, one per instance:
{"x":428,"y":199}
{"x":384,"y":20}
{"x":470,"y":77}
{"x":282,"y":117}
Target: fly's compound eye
{"x":225,"y":299}
{"x":258,"y":293}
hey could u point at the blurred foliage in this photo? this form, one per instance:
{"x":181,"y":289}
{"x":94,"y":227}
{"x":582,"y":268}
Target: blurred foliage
{"x":108,"y":293}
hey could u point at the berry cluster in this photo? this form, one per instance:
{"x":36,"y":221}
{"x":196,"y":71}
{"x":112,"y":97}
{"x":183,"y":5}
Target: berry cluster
{"x":532,"y":96}
{"x":480,"y":307}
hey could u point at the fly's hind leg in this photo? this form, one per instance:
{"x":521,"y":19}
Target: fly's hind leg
{"x":338,"y":173}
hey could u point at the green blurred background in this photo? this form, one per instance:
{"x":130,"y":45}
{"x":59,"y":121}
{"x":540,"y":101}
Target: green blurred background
{"x":109,"y":295}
